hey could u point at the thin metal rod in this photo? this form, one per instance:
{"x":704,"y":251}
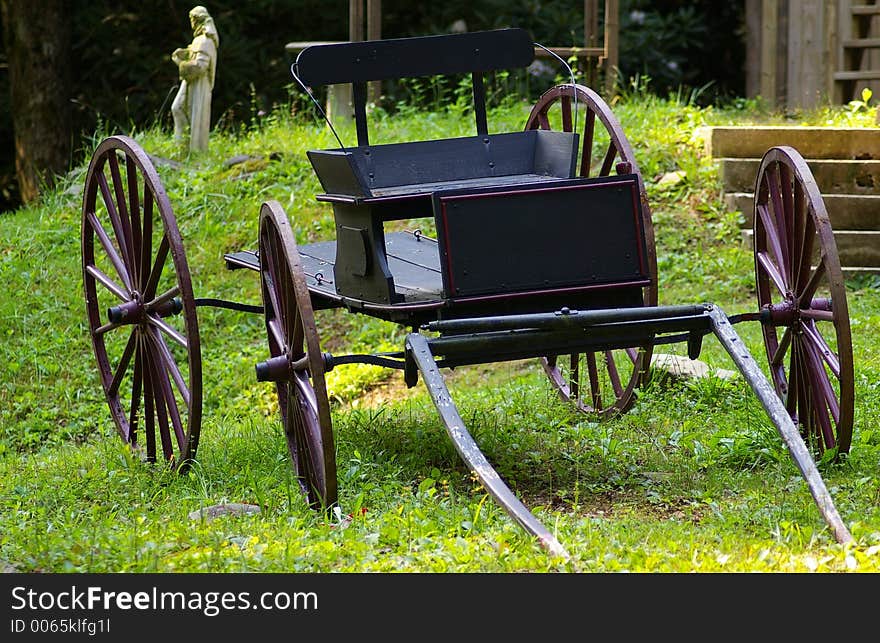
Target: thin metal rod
{"x":388,"y":360}
{"x":417,"y":347}
{"x":229,"y":305}
{"x":780,"y":417}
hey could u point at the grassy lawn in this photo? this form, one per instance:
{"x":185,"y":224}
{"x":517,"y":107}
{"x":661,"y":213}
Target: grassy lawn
{"x":693,"y":478}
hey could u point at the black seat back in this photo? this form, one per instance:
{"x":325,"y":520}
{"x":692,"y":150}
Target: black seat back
{"x":360,"y":62}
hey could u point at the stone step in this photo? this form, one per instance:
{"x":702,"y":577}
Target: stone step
{"x":846,"y":212}
{"x":811,"y":142}
{"x":855,"y":248}
{"x":832,"y":175}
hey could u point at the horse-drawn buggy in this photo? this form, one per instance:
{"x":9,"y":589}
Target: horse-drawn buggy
{"x":542,"y":248}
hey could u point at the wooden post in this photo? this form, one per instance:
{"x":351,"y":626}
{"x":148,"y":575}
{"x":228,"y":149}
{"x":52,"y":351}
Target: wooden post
{"x":591,"y":36}
{"x":769,"y":30}
{"x":753,"y":47}
{"x":340,"y":105}
{"x":612,"y":26}
{"x":374,"y":32}
{"x":355,"y":20}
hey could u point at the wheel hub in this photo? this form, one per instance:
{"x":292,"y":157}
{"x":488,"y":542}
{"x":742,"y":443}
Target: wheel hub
{"x":136,"y":311}
{"x":131,"y":312}
{"x":788,"y":313}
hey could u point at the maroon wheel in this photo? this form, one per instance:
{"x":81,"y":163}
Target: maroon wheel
{"x":140,"y":305}
{"x":297,"y":364}
{"x":802,"y":294}
{"x":601,"y":383}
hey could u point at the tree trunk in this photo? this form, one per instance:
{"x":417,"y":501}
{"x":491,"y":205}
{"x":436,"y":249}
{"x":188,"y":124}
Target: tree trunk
{"x":37,"y":38}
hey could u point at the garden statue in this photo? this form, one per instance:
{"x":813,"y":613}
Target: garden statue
{"x":196,"y":65}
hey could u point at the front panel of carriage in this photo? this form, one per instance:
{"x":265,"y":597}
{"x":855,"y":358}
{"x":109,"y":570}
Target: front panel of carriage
{"x":577,"y":243}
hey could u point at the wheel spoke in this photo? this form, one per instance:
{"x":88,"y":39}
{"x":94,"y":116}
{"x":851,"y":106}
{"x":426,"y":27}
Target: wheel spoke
{"x":276,"y":335}
{"x":802,"y":223}
{"x":100,"y":330}
{"x":107,"y":282}
{"x":613,"y":375}
{"x":608,"y":161}
{"x":823,"y":396}
{"x":170,"y":365}
{"x":156,"y":271}
{"x":595,"y":386}
{"x":160,"y":404}
{"x":168,"y":330}
{"x":149,"y":407}
{"x":807,"y":414}
{"x":147,"y":240}
{"x":123,"y":215}
{"x":137,"y":382}
{"x":162,"y":368}
{"x":288,"y":303}
{"x":113,"y":215}
{"x":543,"y":121}
{"x":805,"y":402}
{"x":806,"y":255}
{"x":306,"y":468}
{"x":134,"y":205}
{"x":771,"y":233}
{"x":122,"y":367}
{"x":818,"y":342}
{"x":809,"y":290}
{"x":109,"y":249}
{"x":778,"y":351}
{"x":565,"y":106}
{"x":574,"y":375}
{"x":168,"y":295}
{"x":821,"y":382}
{"x":781,"y":348}
{"x":788,"y":216}
{"x":791,"y":400}
{"x":771,"y":271}
{"x":273,"y":305}
{"x":817,"y":315}
{"x":298,"y":344}
{"x":589,"y":133}
{"x":780,"y":217}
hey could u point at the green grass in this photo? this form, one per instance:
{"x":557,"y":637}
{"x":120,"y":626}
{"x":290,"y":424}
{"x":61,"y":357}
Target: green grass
{"x":694,"y":478}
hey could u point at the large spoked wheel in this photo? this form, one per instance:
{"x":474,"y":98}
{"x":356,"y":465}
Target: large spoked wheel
{"x":598,"y":383}
{"x":297,"y":364}
{"x":140,"y":305}
{"x":801,"y":292}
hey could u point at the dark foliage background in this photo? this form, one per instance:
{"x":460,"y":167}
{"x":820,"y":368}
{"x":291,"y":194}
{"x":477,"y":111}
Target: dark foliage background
{"x":123,"y":78}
